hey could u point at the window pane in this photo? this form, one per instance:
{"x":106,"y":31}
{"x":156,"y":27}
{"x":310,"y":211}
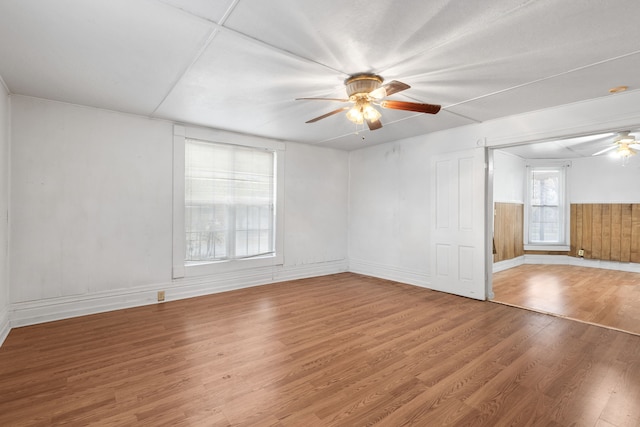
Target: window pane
{"x":229,"y":197}
{"x":544,"y":225}
{"x":546,"y":205}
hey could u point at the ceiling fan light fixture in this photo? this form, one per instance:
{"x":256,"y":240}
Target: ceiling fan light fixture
{"x":362,"y":83}
{"x":370,"y":113}
{"x":355,"y":115}
{"x":365,"y":90}
{"x":625,"y":151}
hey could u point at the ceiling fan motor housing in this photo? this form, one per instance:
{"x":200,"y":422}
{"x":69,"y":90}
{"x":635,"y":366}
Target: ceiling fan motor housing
{"x":362,"y":83}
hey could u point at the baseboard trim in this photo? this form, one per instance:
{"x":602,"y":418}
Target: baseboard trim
{"x":34,"y":312}
{"x":396,"y":274}
{"x":507,"y":264}
{"x":5,"y":325}
{"x":565,"y":260}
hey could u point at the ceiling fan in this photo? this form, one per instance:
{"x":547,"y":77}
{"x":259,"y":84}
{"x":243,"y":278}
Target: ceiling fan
{"x":366,"y":90}
{"x":625,"y":145}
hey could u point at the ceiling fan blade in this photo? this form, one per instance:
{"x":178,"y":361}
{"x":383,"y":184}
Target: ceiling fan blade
{"x":328,"y":114}
{"x":374,"y":124}
{"x":411,"y":106}
{"x":390,"y":88}
{"x":324,"y":99}
{"x":605,"y":150}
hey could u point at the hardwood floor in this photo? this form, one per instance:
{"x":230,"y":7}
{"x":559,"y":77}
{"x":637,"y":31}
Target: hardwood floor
{"x":341,"y":350}
{"x":604,"y":297}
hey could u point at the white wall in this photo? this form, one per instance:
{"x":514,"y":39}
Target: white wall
{"x":508,"y":177}
{"x":389,"y":210}
{"x":316,"y":199}
{"x":603,"y":179}
{"x":91,"y":208}
{"x":389,"y":207}
{"x":90,"y":200}
{"x":4,"y":205}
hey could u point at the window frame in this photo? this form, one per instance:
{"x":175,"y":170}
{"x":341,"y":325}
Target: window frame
{"x":563,"y":206}
{"x":182,"y":268}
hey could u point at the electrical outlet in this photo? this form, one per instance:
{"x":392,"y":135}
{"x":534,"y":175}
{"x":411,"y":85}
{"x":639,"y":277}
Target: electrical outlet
{"x":160,"y":296}
{"x":581,"y":252}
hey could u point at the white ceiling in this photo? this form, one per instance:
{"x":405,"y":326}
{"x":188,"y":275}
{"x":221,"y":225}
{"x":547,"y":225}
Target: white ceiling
{"x":238,"y":65}
{"x":602,"y":144}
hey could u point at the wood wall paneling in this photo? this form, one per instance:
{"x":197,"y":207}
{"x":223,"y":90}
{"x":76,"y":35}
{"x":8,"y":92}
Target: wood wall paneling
{"x":605,"y":252}
{"x":635,"y":233}
{"x":625,"y":233}
{"x":596,"y":228}
{"x":609,"y":232}
{"x":587,"y":230}
{"x":508,"y":231}
{"x":616,"y":213}
{"x":573,"y":248}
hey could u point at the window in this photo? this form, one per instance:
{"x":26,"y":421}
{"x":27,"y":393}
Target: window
{"x":546,"y":206}
{"x":229,"y":201}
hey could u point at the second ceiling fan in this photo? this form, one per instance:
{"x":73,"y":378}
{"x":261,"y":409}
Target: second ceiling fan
{"x":366,"y":91}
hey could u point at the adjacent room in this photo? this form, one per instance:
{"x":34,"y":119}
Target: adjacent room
{"x":566,"y":229}
{"x":250,"y":213}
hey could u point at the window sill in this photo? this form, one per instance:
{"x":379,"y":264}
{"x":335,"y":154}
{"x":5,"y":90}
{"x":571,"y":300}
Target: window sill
{"x":195,"y":269}
{"x":556,"y":248}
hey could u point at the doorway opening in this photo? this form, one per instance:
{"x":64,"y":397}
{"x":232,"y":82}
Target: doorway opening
{"x":585,"y":281}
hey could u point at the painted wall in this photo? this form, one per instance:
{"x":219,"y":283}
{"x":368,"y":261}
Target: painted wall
{"x":91,"y":203}
{"x":508,"y":178}
{"x":603,"y":179}
{"x":389,"y":209}
{"x":591,"y":179}
{"x":316,"y":200}
{"x":90,"y":200}
{"x":4,"y":205}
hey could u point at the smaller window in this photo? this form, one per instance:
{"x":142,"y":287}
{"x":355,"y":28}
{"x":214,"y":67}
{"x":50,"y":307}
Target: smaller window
{"x":546,"y":205}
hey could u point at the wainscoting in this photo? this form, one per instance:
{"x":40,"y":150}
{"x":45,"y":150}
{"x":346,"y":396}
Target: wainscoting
{"x":507,"y":234}
{"x":609,"y":232}
{"x":603,"y":231}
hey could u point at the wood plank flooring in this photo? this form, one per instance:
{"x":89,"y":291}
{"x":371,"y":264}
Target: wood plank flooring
{"x":340,"y":350}
{"x":604,"y":297}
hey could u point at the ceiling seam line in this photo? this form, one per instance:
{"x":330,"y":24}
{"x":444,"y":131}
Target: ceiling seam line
{"x":564,"y":73}
{"x":4,"y":85}
{"x":229,"y":11}
{"x":205,"y":45}
{"x":220,"y":26}
{"x":276,"y":49}
{"x":458,"y":37}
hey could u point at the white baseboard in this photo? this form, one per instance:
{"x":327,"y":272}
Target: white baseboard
{"x":396,"y":274}
{"x":607,"y":265}
{"x":507,"y":264}
{"x":547,"y":259}
{"x":33,"y":312}
{"x":5,"y":325}
{"x":565,"y":260}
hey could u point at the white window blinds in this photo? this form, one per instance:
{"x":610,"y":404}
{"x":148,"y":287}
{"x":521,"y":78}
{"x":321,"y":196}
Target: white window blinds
{"x":547,"y":205}
{"x":229,"y":201}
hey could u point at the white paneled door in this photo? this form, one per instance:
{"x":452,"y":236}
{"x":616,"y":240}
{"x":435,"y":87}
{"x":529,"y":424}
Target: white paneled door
{"x":458,"y":218}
